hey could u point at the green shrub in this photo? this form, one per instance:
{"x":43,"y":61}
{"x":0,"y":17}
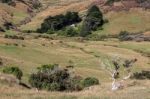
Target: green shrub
{"x":71,"y":32}
{"x":13,"y":70}
{"x":89,"y":81}
{"x":141,"y":75}
{"x":68,"y":31}
{"x":50,"y":32}
{"x":53,"y":78}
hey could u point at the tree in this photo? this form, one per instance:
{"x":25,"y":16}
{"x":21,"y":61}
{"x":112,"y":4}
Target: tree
{"x":85,"y":29}
{"x":93,"y":20}
{"x":113,"y":65}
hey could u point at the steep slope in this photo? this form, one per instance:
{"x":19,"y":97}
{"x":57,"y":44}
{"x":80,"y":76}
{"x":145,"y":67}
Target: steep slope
{"x":17,"y":12}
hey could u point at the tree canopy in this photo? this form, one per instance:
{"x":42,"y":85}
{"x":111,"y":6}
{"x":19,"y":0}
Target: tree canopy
{"x":93,"y":20}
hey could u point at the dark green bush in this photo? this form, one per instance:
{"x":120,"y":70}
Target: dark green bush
{"x":54,"y":78}
{"x":89,"y":81}
{"x":59,"y":21}
{"x":141,"y":75}
{"x":13,"y":70}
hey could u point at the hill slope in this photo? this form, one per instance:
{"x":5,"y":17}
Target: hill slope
{"x":86,"y":56}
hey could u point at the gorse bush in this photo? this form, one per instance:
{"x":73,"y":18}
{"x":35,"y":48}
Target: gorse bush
{"x":59,"y":21}
{"x":93,"y":20}
{"x":14,"y":71}
{"x":54,"y":78}
{"x":89,"y":81}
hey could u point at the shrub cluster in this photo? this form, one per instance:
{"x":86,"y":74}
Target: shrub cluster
{"x":13,"y":37}
{"x":89,"y":81}
{"x":13,"y":70}
{"x":54,"y":78}
{"x":141,"y":75}
{"x":59,"y":21}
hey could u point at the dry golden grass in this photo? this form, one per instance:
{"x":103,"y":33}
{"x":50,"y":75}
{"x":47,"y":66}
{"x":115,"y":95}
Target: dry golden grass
{"x":133,"y":21}
{"x":135,"y":90}
{"x":12,"y":14}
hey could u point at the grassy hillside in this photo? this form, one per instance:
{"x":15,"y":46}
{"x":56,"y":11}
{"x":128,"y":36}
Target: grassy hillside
{"x":134,"y":21}
{"x":85,"y":56}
